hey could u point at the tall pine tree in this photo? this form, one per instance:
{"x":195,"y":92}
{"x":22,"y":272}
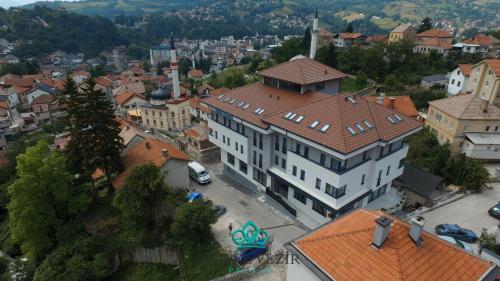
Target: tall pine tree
{"x":425,"y":25}
{"x":95,"y":142}
{"x":349,"y":28}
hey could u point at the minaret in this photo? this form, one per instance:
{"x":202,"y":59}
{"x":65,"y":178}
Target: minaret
{"x":175,"y":68}
{"x":193,"y":64}
{"x":314,"y":36}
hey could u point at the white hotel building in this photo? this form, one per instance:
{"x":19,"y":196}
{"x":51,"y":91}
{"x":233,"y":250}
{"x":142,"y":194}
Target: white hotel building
{"x":315,"y":151}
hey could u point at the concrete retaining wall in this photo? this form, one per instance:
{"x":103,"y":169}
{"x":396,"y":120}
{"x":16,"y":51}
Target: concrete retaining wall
{"x":162,"y":255}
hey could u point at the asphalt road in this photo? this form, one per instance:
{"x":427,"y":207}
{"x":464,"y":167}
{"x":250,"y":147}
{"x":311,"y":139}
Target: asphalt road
{"x":243,"y":205}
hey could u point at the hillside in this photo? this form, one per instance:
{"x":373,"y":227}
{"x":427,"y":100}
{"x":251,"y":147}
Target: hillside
{"x":384,"y":14}
{"x":43,"y":30}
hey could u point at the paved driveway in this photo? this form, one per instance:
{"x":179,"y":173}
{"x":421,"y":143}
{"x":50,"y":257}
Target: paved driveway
{"x":469,"y":212}
{"x":242,"y":205}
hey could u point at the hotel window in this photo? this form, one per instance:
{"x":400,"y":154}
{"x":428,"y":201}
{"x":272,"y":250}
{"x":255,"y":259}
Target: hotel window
{"x":294,"y":170}
{"x":377,"y":193}
{"x":379,"y":178}
{"x":254,"y":159}
{"x":302,"y":174}
{"x":335,"y":192}
{"x":254,"y":138}
{"x":159,"y":113}
{"x":363,"y":179}
{"x":487,"y":128}
{"x":283,"y":163}
{"x":388,"y":170}
{"x":318,"y":183}
{"x":161,"y":123}
{"x":306,"y":152}
{"x":223,"y":138}
{"x":230,"y":159}
{"x":228,"y":141}
{"x":276,"y":160}
{"x":277,"y":143}
{"x":318,"y":207}
{"x":216,"y":135}
{"x":300,"y":196}
{"x":260,"y":160}
{"x":259,"y":176}
{"x":260,"y":141}
{"x":452,"y":81}
{"x":236,"y":146}
{"x":241,"y":148}
{"x":322,"y":159}
{"x":283,"y":146}
{"x":458,"y":83}
{"x":297,"y":148}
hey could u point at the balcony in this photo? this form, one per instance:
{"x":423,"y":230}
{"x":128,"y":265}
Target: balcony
{"x":331,"y":169}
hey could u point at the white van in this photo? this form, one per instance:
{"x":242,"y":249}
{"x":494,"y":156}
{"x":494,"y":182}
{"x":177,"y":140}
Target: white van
{"x":198,"y":173}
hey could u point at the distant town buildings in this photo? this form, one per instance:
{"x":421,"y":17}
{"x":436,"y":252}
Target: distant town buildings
{"x":438,"y":40}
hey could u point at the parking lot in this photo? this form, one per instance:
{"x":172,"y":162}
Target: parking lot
{"x":243,"y":205}
{"x":469,"y":212}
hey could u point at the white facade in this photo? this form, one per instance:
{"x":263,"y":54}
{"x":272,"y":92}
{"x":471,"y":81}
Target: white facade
{"x":482,"y":146}
{"x":457,"y":81}
{"x":311,"y":181}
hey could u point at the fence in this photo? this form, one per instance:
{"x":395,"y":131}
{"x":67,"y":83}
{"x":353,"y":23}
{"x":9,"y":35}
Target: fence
{"x":161,"y":254}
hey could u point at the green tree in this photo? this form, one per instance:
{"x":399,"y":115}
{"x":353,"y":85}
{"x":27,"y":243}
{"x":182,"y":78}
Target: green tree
{"x":45,"y":207}
{"x":327,"y":55}
{"x":97,"y":71}
{"x":192,"y":221}
{"x":146,"y":66}
{"x":184,"y":66}
{"x":95,"y":142}
{"x":141,"y":198}
{"x":78,"y":260}
{"x":349,"y":28}
{"x":306,"y":40}
{"x":425,"y":25}
{"x":289,"y":49}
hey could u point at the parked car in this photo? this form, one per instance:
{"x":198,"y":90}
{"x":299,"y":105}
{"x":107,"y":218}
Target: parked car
{"x":194,"y":195}
{"x":455,"y":231}
{"x":219,"y":210}
{"x":495,"y":211}
{"x":457,"y":242}
{"x":247,"y":254}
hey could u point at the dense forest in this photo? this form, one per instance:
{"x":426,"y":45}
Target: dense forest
{"x":43,"y":30}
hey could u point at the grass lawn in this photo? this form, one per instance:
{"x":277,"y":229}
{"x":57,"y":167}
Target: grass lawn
{"x":145,"y":271}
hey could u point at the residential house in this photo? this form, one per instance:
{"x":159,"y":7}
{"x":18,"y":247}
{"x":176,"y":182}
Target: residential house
{"x":185,"y":88}
{"x":376,"y":39}
{"x":457,"y":81}
{"x":199,"y":110}
{"x":462,"y":121}
{"x":197,"y":145}
{"x":11,"y":59}
{"x":325,"y":37}
{"x":196,"y":74}
{"x":133,"y":86}
{"x":422,"y":188}
{"x":131,"y":136}
{"x":204,"y":90}
{"x":41,"y":89}
{"x":369,"y":245}
{"x":284,"y":136}
{"x":402,"y":32}
{"x":345,"y":39}
{"x":165,"y":156}
{"x":438,"y":40}
{"x":129,"y":101}
{"x":481,"y":43}
{"x":439,"y":81}
{"x":80,"y":76}
{"x":401,"y":104}
{"x":484,"y":80}
{"x":44,"y":106}
{"x":4,"y":109}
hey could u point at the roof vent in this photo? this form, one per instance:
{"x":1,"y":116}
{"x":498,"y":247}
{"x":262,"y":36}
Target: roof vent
{"x":417,"y":226}
{"x":382,"y":230}
{"x":314,"y":124}
{"x":270,"y":95}
{"x":351,"y":130}
{"x":278,"y":97}
{"x":325,"y":128}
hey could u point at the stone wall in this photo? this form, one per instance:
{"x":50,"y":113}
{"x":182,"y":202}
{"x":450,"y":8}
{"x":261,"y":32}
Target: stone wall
{"x":161,"y":254}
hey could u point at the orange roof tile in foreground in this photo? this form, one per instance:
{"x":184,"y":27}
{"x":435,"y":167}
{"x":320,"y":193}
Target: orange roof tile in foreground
{"x":149,"y":150}
{"x":436,"y":33}
{"x":302,"y":71}
{"x":465,"y":68}
{"x":342,"y":250}
{"x":401,"y":104}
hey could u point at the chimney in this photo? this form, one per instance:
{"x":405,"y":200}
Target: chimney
{"x":485,"y":105}
{"x":382,"y":230}
{"x":417,"y":226}
{"x":147,"y":145}
{"x":314,"y":36}
{"x":392,"y":101}
{"x":380,"y":99}
{"x":164,"y":153}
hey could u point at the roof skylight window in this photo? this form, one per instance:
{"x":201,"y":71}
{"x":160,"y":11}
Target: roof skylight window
{"x":257,"y":110}
{"x":246,"y":106}
{"x":288,"y":115}
{"x":352,"y":100}
{"x":398,"y":117}
{"x":360,"y":127}
{"x":368,"y":124}
{"x":226,"y":99}
{"x":324,"y":128}
{"x":314,"y":124}
{"x":391,"y":120}
{"x":292,"y":116}
{"x":241,"y":104}
{"x":351,"y":130}
{"x":260,"y":112}
{"x":300,"y":118}
{"x":221,"y":96}
{"x":232,"y":101}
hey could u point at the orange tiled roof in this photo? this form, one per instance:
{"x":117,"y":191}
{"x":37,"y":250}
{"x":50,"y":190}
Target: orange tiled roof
{"x":494,"y":64}
{"x":336,"y":111}
{"x":402,"y":28}
{"x":219,"y":91}
{"x":435,"y":33}
{"x":483,"y":40}
{"x":302,"y":71}
{"x":402,"y":104}
{"x":192,"y":133}
{"x":43,"y":99}
{"x":466,"y":106}
{"x":343,"y":250}
{"x":103,"y":81}
{"x":196,"y":73}
{"x":81,"y":73}
{"x":139,"y":154}
{"x":377,"y":38}
{"x":126,"y":96}
{"x":19,"y":82}
{"x":195,"y":103}
{"x":4,"y":105}
{"x":465,"y":68}
{"x":55,"y":83}
{"x":324,"y":33}
{"x":433,"y":42}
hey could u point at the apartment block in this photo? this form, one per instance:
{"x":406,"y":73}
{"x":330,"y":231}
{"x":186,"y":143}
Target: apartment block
{"x":484,"y":81}
{"x":317,"y":152}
